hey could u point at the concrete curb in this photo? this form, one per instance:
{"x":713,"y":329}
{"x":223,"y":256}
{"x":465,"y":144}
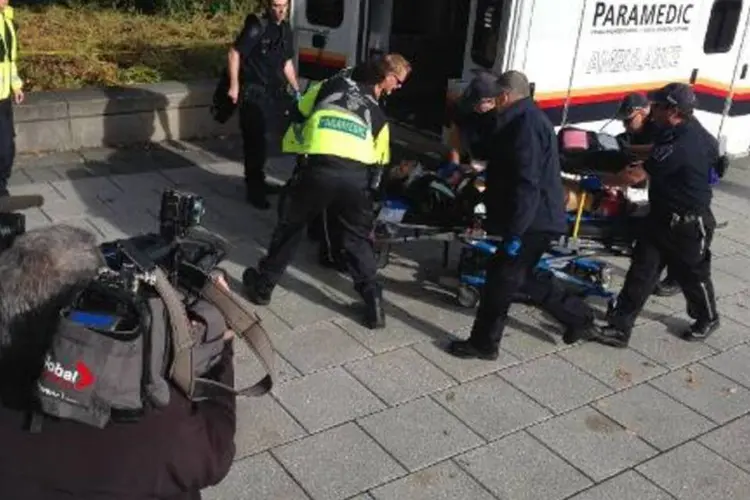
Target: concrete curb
{"x":119,"y":116}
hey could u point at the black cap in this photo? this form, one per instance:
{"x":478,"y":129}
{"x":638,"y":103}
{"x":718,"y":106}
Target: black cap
{"x":675,"y":95}
{"x":630,"y":103}
{"x":483,"y":86}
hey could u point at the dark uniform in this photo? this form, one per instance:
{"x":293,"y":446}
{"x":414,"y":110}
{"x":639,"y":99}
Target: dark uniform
{"x":679,"y":227}
{"x":345,"y":137}
{"x":264,"y":48}
{"x":646,"y":135}
{"x":525,"y":204}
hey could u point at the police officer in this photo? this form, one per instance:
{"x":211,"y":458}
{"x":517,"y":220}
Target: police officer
{"x":639,"y":136}
{"x":345,"y":135}
{"x":259,"y":61}
{"x":10,"y":92}
{"x":680,"y":225}
{"x":525,"y":205}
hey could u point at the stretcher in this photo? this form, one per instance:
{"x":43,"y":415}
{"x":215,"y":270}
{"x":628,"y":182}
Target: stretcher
{"x":453,"y":212}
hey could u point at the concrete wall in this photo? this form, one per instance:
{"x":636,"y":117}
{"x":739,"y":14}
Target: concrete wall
{"x":74,"y":119}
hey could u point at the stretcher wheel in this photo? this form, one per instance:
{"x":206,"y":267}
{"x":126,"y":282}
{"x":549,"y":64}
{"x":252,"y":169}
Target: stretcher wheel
{"x":467,"y":296}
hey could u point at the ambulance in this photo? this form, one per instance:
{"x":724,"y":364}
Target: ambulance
{"x":582,"y":56}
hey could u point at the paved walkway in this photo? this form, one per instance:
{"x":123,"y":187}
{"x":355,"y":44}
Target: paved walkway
{"x":388,"y":415}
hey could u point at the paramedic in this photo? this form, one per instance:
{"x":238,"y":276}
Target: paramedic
{"x":258,"y":63}
{"x":525,"y":206}
{"x":346,"y":137}
{"x":325,"y":229}
{"x":10,"y":94}
{"x":639,"y":136}
{"x":680,"y":224}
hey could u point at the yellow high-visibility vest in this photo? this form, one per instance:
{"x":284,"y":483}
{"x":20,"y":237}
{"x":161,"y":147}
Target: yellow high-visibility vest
{"x":9,"y":79}
{"x":330,"y":129}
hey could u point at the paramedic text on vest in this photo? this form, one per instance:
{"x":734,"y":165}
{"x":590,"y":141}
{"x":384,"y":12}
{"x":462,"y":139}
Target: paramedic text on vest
{"x":525,"y":206}
{"x":639,"y":136}
{"x":10,"y":92}
{"x":260,"y":60}
{"x":680,"y":224}
{"x":345,"y":135}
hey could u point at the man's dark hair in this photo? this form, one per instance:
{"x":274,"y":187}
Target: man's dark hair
{"x":38,"y":275}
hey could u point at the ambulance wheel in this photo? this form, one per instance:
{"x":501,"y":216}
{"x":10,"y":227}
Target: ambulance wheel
{"x":382,"y":255}
{"x":467,"y":296}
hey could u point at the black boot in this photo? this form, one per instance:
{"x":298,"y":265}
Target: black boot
{"x":374,"y":318}
{"x":257,"y":292}
{"x":587,"y":331}
{"x":612,"y":336}
{"x":667,"y":288}
{"x":701,"y":329}
{"x":256,"y":196}
{"x":465,"y":349}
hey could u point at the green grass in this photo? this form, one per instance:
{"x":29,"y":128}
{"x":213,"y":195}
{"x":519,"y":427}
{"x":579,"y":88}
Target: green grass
{"x":76,"y":47}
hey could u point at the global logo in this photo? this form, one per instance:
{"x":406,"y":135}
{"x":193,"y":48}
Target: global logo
{"x":79,"y":377}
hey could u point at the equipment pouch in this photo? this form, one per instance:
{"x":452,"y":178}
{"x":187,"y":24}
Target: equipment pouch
{"x":88,"y":374}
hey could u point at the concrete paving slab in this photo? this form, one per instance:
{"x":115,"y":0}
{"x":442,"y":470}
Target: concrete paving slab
{"x":618,"y":368}
{"x":654,"y":416}
{"x":735,"y":307}
{"x":444,"y":481}
{"x":706,"y":392}
{"x":595,"y":444}
{"x":318,"y":346}
{"x":256,"y":478}
{"x":262,"y":423}
{"x":396,"y":334}
{"x":399,"y":376}
{"x":420,"y":433}
{"x":338,"y":463}
{"x":462,"y":370}
{"x":327,"y":398}
{"x":555,"y":383}
{"x":655,"y":342}
{"x":627,"y":486}
{"x":521,"y":468}
{"x":492,"y":407}
{"x":731,"y":442}
{"x":693,"y":472}
{"x":732,"y":364}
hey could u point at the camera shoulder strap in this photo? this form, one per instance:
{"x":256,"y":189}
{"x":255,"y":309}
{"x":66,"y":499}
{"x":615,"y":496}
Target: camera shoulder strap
{"x":246,"y":324}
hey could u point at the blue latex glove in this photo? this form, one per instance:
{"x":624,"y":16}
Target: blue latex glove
{"x":591,"y":183}
{"x":512,"y":246}
{"x":297,"y":96}
{"x":713,"y":177}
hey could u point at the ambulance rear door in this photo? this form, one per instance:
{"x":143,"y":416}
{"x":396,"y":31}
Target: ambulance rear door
{"x":330,"y":35}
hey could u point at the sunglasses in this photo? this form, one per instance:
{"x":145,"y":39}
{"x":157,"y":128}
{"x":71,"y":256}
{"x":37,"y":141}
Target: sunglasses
{"x":399,"y":81}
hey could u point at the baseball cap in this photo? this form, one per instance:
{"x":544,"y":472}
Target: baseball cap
{"x":630,"y":103}
{"x":483,"y":86}
{"x":677,"y":95}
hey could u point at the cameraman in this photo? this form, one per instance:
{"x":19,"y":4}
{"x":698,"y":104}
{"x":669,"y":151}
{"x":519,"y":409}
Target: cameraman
{"x":169,"y":453}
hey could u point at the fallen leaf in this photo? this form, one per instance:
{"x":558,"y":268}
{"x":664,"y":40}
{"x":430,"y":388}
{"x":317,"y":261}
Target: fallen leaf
{"x":691,"y":379}
{"x":623,"y":375}
{"x":450,"y":396}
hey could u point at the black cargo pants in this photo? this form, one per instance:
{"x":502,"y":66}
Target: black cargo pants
{"x":326,"y":185}
{"x":507,"y":276}
{"x":262,"y":119}
{"x":7,"y":144}
{"x":682,"y":243}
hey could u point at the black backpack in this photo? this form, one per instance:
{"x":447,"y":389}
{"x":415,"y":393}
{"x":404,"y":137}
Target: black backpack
{"x":222,"y":108}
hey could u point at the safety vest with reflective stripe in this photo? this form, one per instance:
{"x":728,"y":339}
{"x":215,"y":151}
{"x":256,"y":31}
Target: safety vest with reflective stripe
{"x":340,"y":120}
{"x":9,"y":79}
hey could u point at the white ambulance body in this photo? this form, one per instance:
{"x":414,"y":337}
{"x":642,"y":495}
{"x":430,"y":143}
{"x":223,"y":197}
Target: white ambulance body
{"x":582,"y":56}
